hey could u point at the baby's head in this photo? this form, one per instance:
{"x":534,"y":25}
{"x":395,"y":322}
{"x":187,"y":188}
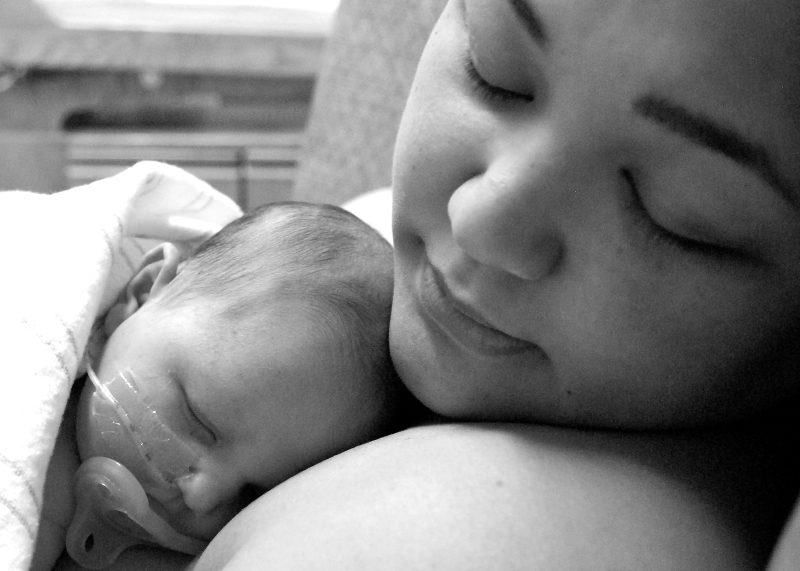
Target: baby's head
{"x":266,"y":351}
{"x":597,"y":212}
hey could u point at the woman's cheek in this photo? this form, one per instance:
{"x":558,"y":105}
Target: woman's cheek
{"x":442,"y":138}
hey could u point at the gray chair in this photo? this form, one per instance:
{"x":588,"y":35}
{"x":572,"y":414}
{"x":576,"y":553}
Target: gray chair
{"x":366,"y":75}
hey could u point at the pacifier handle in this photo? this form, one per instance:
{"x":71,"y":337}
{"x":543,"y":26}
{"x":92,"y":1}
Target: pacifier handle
{"x":113,"y":514}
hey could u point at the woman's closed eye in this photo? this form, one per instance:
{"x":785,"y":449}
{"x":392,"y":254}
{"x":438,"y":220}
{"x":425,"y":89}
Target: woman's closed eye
{"x":488,"y":91}
{"x":642,"y":217}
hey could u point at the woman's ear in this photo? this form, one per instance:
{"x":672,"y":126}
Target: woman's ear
{"x":158,"y":268}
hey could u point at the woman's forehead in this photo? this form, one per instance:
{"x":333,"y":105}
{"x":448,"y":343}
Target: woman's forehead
{"x":763,"y":33}
{"x":736,"y":61}
{"x":740,"y":62}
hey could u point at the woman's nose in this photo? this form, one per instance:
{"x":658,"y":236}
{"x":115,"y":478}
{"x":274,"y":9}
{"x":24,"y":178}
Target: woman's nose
{"x":504,"y":218}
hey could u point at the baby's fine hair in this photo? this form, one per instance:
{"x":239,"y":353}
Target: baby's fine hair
{"x":321,"y":254}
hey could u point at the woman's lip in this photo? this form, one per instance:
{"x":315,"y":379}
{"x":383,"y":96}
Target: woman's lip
{"x":461,"y":323}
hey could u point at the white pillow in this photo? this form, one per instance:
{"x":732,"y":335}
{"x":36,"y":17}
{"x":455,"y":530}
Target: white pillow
{"x":374,"y":208}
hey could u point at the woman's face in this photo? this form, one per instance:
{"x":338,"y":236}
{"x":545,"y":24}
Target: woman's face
{"x":597,"y":214}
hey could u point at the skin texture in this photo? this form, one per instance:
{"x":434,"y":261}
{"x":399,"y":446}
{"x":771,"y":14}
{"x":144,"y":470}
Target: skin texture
{"x":485,"y":496}
{"x":527,"y":212}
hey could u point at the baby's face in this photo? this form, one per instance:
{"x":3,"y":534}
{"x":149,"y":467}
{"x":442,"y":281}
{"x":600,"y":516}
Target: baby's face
{"x":597,"y":215}
{"x":258,"y":401}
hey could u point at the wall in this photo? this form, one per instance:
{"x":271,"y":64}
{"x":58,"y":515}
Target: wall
{"x":42,"y":109}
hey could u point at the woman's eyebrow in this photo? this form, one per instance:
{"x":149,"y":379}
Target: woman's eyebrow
{"x":530,"y":20}
{"x":706,"y":132}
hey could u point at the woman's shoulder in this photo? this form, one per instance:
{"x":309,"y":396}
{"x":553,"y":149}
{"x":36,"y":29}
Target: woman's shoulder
{"x":511,"y":496}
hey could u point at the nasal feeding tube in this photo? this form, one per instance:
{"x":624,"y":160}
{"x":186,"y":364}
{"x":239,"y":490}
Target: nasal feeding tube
{"x":116,"y":425}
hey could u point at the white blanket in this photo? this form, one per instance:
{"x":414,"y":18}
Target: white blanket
{"x":64,"y":259}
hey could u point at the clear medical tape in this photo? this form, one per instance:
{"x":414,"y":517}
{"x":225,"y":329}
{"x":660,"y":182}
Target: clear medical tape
{"x":161,"y":449}
{"x":112,"y":509}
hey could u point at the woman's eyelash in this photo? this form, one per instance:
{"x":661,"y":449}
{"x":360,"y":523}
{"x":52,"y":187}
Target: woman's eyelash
{"x":658,"y":233}
{"x":488,"y":90}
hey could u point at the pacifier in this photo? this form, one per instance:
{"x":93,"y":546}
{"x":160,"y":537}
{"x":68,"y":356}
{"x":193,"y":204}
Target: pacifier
{"x":127,"y":450}
{"x":113,"y":514}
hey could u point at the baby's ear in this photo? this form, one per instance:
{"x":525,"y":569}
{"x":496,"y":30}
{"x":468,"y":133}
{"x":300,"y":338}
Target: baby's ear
{"x":158,"y":268}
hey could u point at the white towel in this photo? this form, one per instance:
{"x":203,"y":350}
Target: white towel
{"x":64,"y":259}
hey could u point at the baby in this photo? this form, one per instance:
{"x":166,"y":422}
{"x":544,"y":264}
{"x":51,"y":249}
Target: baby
{"x":201,"y":416}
